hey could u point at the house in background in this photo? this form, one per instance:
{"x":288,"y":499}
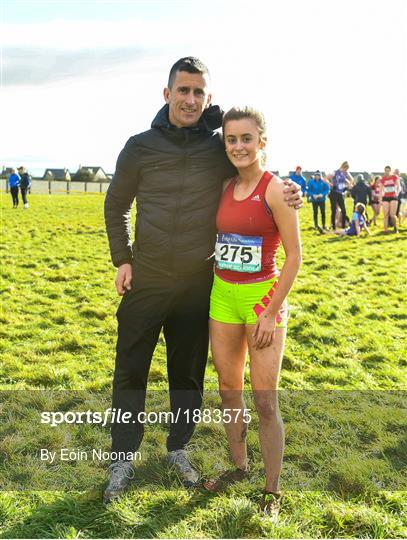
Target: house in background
{"x":90,"y":174}
{"x":57,"y":174}
{"x":5,"y":173}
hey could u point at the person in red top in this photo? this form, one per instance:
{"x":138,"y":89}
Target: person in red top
{"x":390,"y":187}
{"x":248,"y":301}
{"x":375,"y":188}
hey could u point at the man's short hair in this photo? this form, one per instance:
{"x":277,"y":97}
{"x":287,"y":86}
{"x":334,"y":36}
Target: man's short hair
{"x":190,"y":64}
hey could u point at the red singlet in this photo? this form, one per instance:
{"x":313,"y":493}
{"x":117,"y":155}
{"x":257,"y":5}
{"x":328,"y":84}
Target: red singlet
{"x":376,"y":188}
{"x":250,"y":217}
{"x":389,"y":183}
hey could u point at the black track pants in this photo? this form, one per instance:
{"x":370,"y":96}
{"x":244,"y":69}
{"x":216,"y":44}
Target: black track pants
{"x":181,"y":307}
{"x":14,"y":195}
{"x":24,"y":194}
{"x":321,"y":206}
{"x":337,"y":198}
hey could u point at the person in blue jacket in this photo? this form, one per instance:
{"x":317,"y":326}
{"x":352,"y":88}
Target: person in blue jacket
{"x":318,"y":190}
{"x":299,"y":179}
{"x":14,"y":184}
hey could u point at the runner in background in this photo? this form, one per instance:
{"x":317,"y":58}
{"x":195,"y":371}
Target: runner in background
{"x":375,"y":188}
{"x":341,"y":180}
{"x":248,"y":308}
{"x":390,"y":187}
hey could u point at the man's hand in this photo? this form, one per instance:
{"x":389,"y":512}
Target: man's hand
{"x":292,"y":194}
{"x":123,"y":279}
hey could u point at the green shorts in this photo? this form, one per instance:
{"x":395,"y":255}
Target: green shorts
{"x":242,"y":303}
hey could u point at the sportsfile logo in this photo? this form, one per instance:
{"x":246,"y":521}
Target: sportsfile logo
{"x":118,"y":416}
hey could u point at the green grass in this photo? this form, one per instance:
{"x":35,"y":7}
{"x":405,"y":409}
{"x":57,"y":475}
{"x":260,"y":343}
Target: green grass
{"x":346,"y":332}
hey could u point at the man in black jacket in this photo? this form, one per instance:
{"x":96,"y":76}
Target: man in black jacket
{"x":361,"y":192}
{"x":175,"y":172}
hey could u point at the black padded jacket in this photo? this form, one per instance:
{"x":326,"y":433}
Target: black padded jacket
{"x":175,"y":175}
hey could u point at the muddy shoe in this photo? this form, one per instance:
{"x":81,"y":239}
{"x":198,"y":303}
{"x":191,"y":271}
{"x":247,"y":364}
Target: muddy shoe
{"x":179,"y":460}
{"x":270,"y":505}
{"x":121,"y":474}
{"x":226,"y":479}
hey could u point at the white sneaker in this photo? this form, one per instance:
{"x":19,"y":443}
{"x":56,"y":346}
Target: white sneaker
{"x":26,"y":205}
{"x":179,"y":460}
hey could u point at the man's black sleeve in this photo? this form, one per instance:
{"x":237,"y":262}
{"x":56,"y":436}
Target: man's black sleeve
{"x":119,"y":199}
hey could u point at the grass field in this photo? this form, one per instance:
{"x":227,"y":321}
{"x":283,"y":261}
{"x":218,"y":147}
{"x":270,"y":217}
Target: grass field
{"x":345,"y":363}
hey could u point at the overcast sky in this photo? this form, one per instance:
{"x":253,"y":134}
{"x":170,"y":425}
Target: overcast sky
{"x":79,"y":78}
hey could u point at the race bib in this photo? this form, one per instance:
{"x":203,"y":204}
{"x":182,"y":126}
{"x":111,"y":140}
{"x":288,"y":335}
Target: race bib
{"x":389,"y":189}
{"x":238,"y":253}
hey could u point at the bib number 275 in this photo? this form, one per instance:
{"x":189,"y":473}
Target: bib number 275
{"x":238,"y":253}
{"x":230,"y":253}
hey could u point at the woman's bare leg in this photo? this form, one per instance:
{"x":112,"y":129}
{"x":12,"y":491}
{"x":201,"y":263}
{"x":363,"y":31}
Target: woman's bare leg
{"x":265,"y":365}
{"x":393,"y":214}
{"x":386,"y":211}
{"x":229,"y":348}
{"x":376,"y":212}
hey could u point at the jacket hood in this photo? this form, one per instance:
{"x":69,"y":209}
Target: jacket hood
{"x":210,"y":120}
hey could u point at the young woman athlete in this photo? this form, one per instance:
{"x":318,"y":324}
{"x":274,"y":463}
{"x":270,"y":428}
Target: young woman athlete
{"x":340,"y":181}
{"x":390,"y":187}
{"x":375,"y":188}
{"x":248,"y":307}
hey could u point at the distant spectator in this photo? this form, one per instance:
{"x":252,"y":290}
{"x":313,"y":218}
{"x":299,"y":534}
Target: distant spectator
{"x":318,"y":190}
{"x":14,"y":183}
{"x":390,"y":187}
{"x":375,"y":188}
{"x":402,"y":214}
{"x":311,"y":177}
{"x":299,"y":179}
{"x":341,"y":180}
{"x":402,"y":196}
{"x":358,"y":223}
{"x":361,"y":193}
{"x":25,"y":184}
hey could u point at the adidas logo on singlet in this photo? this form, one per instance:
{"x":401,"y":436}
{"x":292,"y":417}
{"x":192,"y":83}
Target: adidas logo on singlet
{"x":256,"y":198}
